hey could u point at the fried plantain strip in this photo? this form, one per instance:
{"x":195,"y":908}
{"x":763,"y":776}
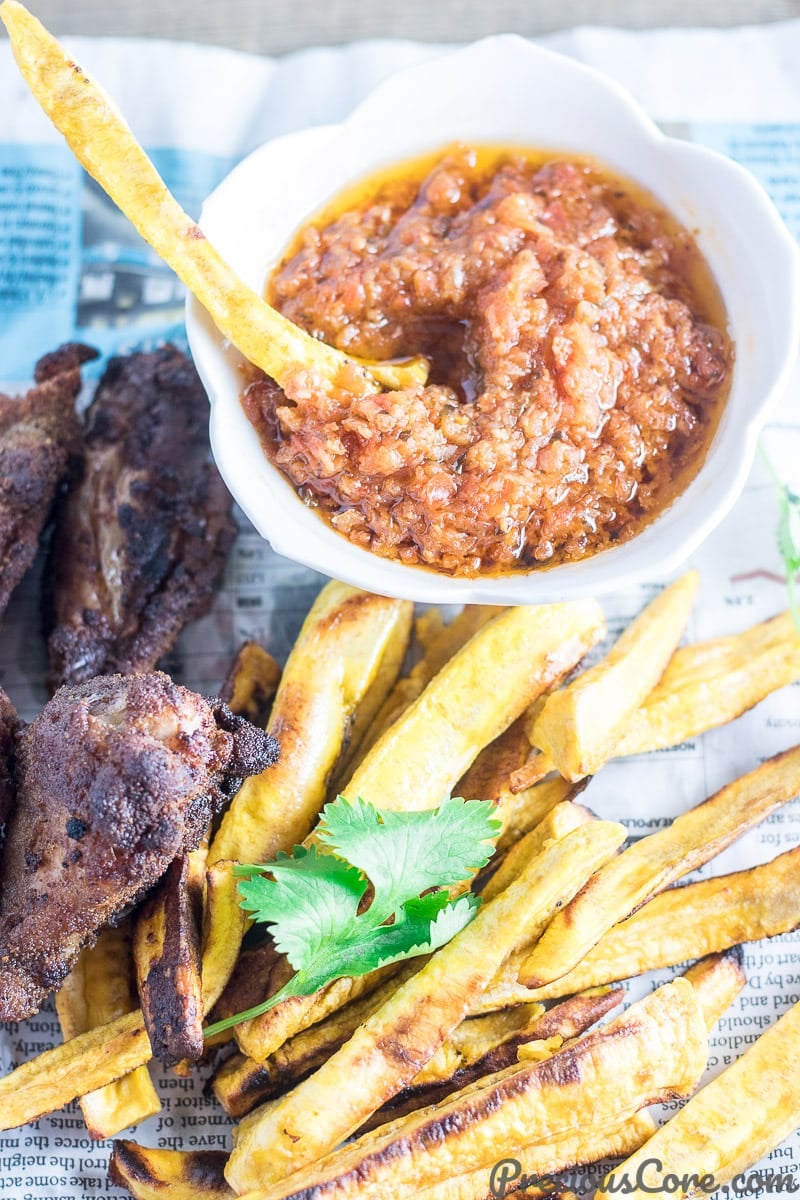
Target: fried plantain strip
{"x":717,"y":980}
{"x":174,"y":1174}
{"x":421,"y":757}
{"x":82,"y":1065}
{"x":223,"y":929}
{"x":251,"y":683}
{"x":713,"y":682}
{"x":653,"y":1051}
{"x":689,"y":922}
{"x":98,"y":989}
{"x":335,"y":659}
{"x":102,"y":142}
{"x":166,"y":951}
{"x":564,"y":817}
{"x":733,"y":1121}
{"x":462,"y":1065}
{"x":651,"y":864}
{"x":578,"y":1150}
{"x":395,"y":1043}
{"x":580,"y":725}
{"x":440,"y":644}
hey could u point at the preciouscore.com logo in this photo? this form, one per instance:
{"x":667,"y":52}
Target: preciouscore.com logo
{"x":507,"y":1177}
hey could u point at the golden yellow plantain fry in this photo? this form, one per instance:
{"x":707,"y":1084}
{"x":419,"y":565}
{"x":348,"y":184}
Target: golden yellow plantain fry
{"x":440,"y":643}
{"x":516,"y":1161}
{"x":102,"y":142}
{"x":691,"y":921}
{"x":580,"y":725}
{"x":651,"y":864}
{"x":251,"y":683}
{"x":655,"y":1050}
{"x":98,"y":989}
{"x":717,"y":980}
{"x":334,"y":661}
{"x":514,"y":1032}
{"x":711,"y":683}
{"x":420,"y":758}
{"x":241,"y":1083}
{"x":223,"y":929}
{"x":169,"y":1174}
{"x":82,"y":1065}
{"x":733,"y":1121}
{"x":166,"y":952}
{"x":557,"y":822}
{"x":396,"y":1042}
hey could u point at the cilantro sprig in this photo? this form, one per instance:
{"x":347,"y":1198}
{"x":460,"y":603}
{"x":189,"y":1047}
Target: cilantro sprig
{"x":315,"y":899}
{"x":788,"y":534}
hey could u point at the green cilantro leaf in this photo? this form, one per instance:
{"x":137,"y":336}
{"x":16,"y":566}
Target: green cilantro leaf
{"x":313,"y":900}
{"x":788,"y":534}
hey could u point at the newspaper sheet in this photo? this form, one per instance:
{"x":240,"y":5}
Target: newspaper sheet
{"x":70,"y":266}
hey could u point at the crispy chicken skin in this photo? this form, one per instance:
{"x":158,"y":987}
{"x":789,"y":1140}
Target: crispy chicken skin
{"x":142,"y":539}
{"x":115,"y":777}
{"x":40,"y":446}
{"x":9,"y":725}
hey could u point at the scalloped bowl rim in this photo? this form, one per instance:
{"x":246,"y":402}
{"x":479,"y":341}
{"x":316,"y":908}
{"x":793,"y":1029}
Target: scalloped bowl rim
{"x":251,"y":220}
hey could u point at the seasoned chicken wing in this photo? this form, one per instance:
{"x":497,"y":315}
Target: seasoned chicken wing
{"x":40,"y":446}
{"x":9,"y":725}
{"x":142,"y":539}
{"x":115,"y":777}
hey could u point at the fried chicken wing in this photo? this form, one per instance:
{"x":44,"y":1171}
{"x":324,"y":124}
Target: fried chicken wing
{"x":142,"y":539}
{"x":115,"y":778}
{"x":9,"y":725}
{"x":40,"y":446}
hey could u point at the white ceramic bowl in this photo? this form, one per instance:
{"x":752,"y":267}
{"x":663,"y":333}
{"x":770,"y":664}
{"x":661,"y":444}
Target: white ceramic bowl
{"x":505,"y":89}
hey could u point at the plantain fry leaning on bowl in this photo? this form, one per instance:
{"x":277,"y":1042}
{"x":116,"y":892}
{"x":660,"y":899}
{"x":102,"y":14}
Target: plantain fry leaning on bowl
{"x":100,"y":139}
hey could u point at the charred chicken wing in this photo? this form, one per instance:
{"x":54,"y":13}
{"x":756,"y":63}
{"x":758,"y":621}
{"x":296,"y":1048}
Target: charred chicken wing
{"x":115,"y":777}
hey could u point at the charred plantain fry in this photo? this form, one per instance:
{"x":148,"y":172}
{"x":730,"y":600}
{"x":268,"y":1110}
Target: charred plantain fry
{"x":717,"y":980}
{"x":650,"y":865}
{"x":733,"y":1121}
{"x":166,"y":951}
{"x":655,"y":1050}
{"x":396,"y":1042}
{"x":175,"y":1174}
{"x":252,"y":683}
{"x":580,"y":725}
{"x":98,"y":989}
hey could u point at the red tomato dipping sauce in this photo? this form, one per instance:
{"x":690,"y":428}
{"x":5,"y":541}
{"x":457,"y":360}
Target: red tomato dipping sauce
{"x":579,"y":361}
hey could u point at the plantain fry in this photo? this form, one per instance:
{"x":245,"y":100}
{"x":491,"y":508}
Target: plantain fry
{"x":713,"y":682}
{"x":222,"y":932}
{"x":580,"y":725}
{"x":102,"y":142}
{"x":689,"y":922}
{"x":98,"y":989}
{"x":564,"y":817}
{"x":513,"y":1161}
{"x":166,"y":951}
{"x":440,"y":643}
{"x":424,"y":753}
{"x":651,"y":864}
{"x":733,"y":1121}
{"x":470,"y":1056}
{"x":82,"y":1065}
{"x":655,"y":1050}
{"x":174,"y":1174}
{"x":251,"y":683}
{"x":717,"y":980}
{"x":332,"y":664}
{"x":396,"y":1042}
{"x":241,"y":1083}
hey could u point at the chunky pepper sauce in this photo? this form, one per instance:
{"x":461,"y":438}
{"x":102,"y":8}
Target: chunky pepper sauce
{"x":578,"y":361}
